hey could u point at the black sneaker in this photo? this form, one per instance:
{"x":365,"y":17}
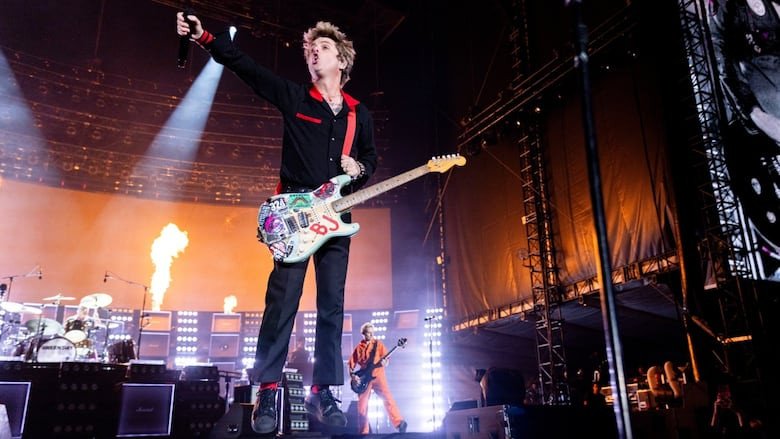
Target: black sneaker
{"x":402,"y":426}
{"x":322,"y":405}
{"x":264,"y":414}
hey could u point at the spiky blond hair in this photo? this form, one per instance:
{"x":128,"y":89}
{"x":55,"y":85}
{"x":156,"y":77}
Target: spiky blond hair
{"x":343,"y":45}
{"x":365,"y":326}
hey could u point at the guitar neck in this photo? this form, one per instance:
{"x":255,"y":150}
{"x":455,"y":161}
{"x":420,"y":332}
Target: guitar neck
{"x":370,"y":192}
{"x":388,"y":354}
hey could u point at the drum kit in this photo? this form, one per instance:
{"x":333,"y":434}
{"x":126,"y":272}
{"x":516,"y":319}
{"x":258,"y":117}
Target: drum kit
{"x":82,"y":337}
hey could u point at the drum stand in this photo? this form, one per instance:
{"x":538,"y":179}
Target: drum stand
{"x":35,"y":345}
{"x":110,"y":275}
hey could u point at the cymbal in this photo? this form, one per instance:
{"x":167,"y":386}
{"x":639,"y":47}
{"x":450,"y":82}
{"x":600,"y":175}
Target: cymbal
{"x":110,"y":324}
{"x":32,"y":310}
{"x":96,"y":300}
{"x":19,"y":308}
{"x":47,"y":326}
{"x":12,"y":306}
{"x":59,"y":296}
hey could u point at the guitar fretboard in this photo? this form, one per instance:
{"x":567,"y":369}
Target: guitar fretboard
{"x":370,"y":192}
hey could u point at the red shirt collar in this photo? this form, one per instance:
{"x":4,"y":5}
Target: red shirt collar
{"x":351,"y":102}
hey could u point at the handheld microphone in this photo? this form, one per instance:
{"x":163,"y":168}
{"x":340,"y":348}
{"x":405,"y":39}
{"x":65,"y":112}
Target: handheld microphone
{"x":184,"y":41}
{"x":432,"y":318}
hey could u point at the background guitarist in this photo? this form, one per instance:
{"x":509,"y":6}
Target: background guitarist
{"x":365,"y":355}
{"x":326,"y":133}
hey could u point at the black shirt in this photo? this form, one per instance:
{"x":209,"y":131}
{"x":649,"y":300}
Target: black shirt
{"x":313,"y":136}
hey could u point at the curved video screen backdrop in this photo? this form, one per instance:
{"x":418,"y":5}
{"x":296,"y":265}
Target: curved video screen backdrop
{"x":747,"y":53}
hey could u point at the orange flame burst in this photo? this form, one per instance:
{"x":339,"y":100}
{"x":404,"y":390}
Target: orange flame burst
{"x":230,"y":304}
{"x":167,"y":246}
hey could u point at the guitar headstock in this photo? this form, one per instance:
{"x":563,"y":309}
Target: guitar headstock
{"x":443,"y":163}
{"x":402,"y":342}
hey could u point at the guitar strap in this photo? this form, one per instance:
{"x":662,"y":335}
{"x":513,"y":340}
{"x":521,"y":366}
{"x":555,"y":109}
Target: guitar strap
{"x":351,"y":125}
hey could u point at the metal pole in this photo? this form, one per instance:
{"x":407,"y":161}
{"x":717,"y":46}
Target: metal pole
{"x":608,"y":307}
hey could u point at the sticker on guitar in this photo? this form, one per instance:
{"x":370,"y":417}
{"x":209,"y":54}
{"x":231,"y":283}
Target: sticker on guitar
{"x":295,"y":225}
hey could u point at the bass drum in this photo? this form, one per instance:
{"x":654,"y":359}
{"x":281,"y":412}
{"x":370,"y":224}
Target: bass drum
{"x":76,"y":330}
{"x":56,"y":350}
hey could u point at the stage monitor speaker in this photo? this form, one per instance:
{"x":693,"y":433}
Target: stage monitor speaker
{"x":406,"y":319}
{"x":503,"y":386}
{"x":224,"y":346}
{"x":151,"y":371}
{"x":483,"y":422}
{"x":464,"y":404}
{"x":221,"y":323}
{"x":146,"y":410}
{"x":154,"y":345}
{"x":157,"y":321}
{"x":236,"y":423}
{"x":200,"y":372}
{"x":15,"y":396}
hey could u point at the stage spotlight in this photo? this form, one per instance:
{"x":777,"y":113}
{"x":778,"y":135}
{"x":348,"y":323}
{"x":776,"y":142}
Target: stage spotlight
{"x":232,"y":30}
{"x":175,"y":147}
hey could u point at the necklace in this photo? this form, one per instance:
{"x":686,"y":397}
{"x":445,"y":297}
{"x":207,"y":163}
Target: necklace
{"x":333,"y":99}
{"x":330,"y":99}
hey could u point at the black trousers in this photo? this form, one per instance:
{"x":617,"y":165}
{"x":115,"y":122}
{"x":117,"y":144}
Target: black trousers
{"x":282,"y":298}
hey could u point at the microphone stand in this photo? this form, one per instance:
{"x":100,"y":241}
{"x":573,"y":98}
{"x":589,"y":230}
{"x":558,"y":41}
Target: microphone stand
{"x":430,"y":320}
{"x":31,"y":273}
{"x":110,"y":275}
{"x":608,"y":306}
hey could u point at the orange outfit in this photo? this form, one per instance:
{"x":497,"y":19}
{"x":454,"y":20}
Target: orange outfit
{"x":362,"y":356}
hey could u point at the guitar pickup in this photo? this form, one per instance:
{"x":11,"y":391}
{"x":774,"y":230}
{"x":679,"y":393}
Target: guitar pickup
{"x":303,"y":220}
{"x":292,"y":226}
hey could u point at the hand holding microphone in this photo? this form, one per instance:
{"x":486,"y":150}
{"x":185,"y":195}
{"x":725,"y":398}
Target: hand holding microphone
{"x":187,"y":26}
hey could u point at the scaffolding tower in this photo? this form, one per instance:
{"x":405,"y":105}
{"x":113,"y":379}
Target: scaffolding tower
{"x":725,"y":246}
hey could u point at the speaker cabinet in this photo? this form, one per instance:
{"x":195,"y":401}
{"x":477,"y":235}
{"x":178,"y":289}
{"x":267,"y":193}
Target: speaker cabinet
{"x":157,"y":321}
{"x":225,"y":323}
{"x":482,"y":422}
{"x":224,"y":346}
{"x":146,"y":410}
{"x":154,"y":345}
{"x":236,"y":423}
{"x":15,"y":396}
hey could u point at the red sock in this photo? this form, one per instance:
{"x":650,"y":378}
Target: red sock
{"x":273,"y":385}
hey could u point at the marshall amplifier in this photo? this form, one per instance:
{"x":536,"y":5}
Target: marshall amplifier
{"x":146,"y":410}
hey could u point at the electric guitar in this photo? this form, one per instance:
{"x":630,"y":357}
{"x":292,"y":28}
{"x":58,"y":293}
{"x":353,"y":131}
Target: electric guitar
{"x":295,"y":225}
{"x":366,"y":374}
